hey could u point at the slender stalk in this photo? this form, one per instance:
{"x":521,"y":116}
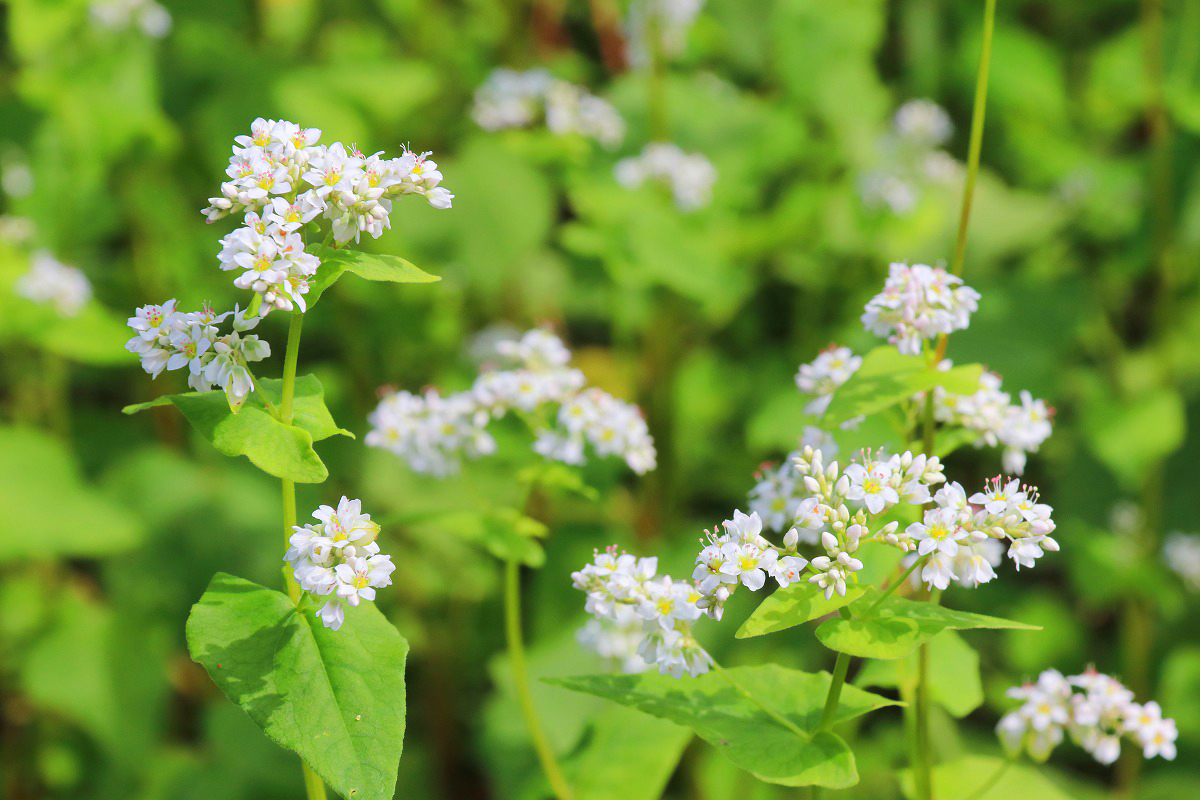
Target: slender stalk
{"x":976,"y":143}
{"x":923,"y":768}
{"x":840,"y":667}
{"x":657,"y":80}
{"x":894,"y":586}
{"x":770,"y":712}
{"x":314,"y":787}
{"x":516,"y":654}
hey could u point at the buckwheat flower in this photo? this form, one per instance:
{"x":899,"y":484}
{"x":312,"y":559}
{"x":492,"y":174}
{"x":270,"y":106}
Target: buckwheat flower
{"x":423,"y":178}
{"x":51,"y":282}
{"x":829,"y":576}
{"x":923,"y":123}
{"x":822,"y":377}
{"x":339,"y":558}
{"x":149,"y":17}
{"x":190,"y":346}
{"x":788,"y":570}
{"x":689,"y":176}
{"x":748,"y":564}
{"x":938,"y":531}
{"x":871,"y":487}
{"x":616,"y":639}
{"x":1181,"y":554}
{"x":669,"y":20}
{"x":776,"y":497}
{"x":431,"y":432}
{"x":1018,"y":428}
{"x":919,"y":302}
{"x":512,"y":99}
{"x":976,"y":561}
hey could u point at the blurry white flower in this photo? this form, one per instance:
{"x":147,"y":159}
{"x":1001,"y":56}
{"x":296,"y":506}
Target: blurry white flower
{"x":513,"y":99}
{"x":689,"y":176}
{"x":52,"y":282}
{"x":917,"y":303}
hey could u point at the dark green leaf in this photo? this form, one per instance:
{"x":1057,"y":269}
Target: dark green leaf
{"x":739,"y":728}
{"x":336,"y":698}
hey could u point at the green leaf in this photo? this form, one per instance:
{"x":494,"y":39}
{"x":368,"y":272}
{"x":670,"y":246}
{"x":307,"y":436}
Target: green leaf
{"x":888,"y":377}
{"x":1128,"y":436}
{"x":897,"y":626}
{"x":795,"y":605}
{"x":554,"y":475}
{"x":336,"y":698}
{"x":628,"y":754}
{"x":372,"y":266}
{"x":285,"y":451}
{"x":38,"y":476}
{"x":739,"y":728}
{"x":954,"y":680}
{"x":965,"y":776}
{"x":504,"y":532}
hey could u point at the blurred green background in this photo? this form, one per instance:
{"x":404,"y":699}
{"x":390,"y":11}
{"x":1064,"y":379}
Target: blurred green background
{"x":1085,"y":243}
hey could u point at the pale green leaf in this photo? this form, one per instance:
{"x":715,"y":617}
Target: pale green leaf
{"x":336,"y":698}
{"x":739,"y":728}
{"x":795,"y":605}
{"x":372,"y":266}
{"x":627,"y":754}
{"x":887,"y":377}
{"x":898,"y":625}
{"x":966,"y":776}
{"x":954,"y":680}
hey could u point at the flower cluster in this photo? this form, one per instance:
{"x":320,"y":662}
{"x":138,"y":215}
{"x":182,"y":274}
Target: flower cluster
{"x":338,"y":557}
{"x":670,"y":20}
{"x":667,"y":609}
{"x":1181,"y":553}
{"x":52,"y":282}
{"x":1019,"y":429}
{"x":1095,"y":709}
{"x":918,"y":302}
{"x":433,"y":432}
{"x":911,"y":157}
{"x":515,"y":99}
{"x":616,"y":638}
{"x":283,"y":180}
{"x":115,"y":15}
{"x":821,"y":378}
{"x":166,"y":338}
{"x":689,"y":176}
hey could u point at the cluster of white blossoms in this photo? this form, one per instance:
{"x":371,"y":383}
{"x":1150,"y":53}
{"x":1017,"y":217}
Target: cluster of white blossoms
{"x":919,"y":302}
{"x":912,"y":158}
{"x":432,"y":432}
{"x":166,"y":338}
{"x":117,"y":15}
{"x":961,"y":538}
{"x":821,"y":378}
{"x":669,"y":19}
{"x":51,"y":282}
{"x":338,"y":557}
{"x":667,"y":609}
{"x":1095,"y":709}
{"x":282,"y":180}
{"x":1181,"y":553}
{"x":616,"y":638}
{"x":1019,"y":429}
{"x":515,"y":99}
{"x":689,"y":176}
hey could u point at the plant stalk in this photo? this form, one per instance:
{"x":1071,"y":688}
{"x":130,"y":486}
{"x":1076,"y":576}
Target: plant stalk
{"x":840,"y":667}
{"x":894,"y":586}
{"x":314,"y":787}
{"x":520,"y":673}
{"x":976,"y":143}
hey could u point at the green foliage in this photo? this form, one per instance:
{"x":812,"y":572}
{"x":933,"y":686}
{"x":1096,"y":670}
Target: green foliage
{"x":954,"y":680}
{"x":793,"y":606}
{"x":627,"y":754}
{"x":39,"y":476}
{"x":1130,"y":435}
{"x":372,"y":266}
{"x":334,"y":697}
{"x":969,"y":774}
{"x":285,"y":451}
{"x":898,"y":625}
{"x":739,"y":728}
{"x":887,"y":378}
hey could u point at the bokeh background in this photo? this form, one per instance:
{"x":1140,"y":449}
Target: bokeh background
{"x":116,"y":124}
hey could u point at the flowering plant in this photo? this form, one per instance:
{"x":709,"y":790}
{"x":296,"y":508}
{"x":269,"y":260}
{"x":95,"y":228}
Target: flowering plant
{"x":301,"y":205}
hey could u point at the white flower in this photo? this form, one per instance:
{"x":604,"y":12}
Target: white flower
{"x":338,"y":558}
{"x":923,"y":122}
{"x":748,"y":563}
{"x":788,"y":570}
{"x":1181,"y":554}
{"x":825,"y":374}
{"x":1019,"y":429}
{"x":431,"y":432}
{"x":919,"y":302}
{"x":689,"y":176}
{"x":871,"y":486}
{"x":937,"y":532}
{"x":512,"y":99}
{"x":152,"y":19}
{"x":669,"y":20}
{"x":49,"y":281}
{"x":938,"y":570}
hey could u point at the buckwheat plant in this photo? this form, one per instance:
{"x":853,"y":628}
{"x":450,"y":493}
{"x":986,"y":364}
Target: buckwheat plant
{"x":317,"y":668}
{"x":838,"y":540}
{"x":530,"y":379}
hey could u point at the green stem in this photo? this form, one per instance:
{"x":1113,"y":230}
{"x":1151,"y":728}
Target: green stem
{"x":314,"y":787}
{"x":977,"y":115}
{"x":895,"y":585}
{"x":840,"y":667}
{"x":923,"y":766}
{"x":516,"y":654}
{"x":770,"y":712}
{"x":657,"y":81}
